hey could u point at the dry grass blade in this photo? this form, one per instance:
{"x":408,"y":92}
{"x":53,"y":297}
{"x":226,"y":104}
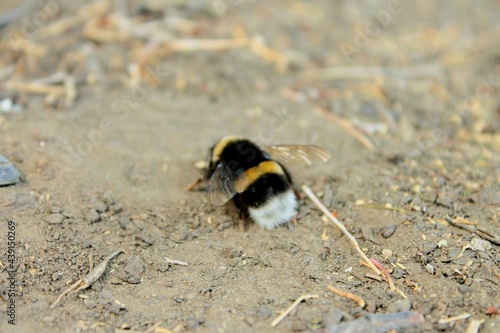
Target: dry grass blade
{"x":353,"y":240}
{"x":474,"y":325}
{"x":377,"y":72}
{"x":349,"y":128}
{"x":290,"y":308}
{"x":194,"y":45}
{"x":176,"y":262}
{"x":345,"y":294}
{"x":474,"y":228}
{"x":454,"y":318}
{"x":387,"y":277}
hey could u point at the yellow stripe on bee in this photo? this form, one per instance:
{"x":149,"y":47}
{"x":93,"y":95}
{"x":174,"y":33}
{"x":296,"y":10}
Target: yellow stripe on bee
{"x":252,"y":174}
{"x":219,"y":147}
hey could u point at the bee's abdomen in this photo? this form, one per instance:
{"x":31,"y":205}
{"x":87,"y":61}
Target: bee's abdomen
{"x":264,"y":188}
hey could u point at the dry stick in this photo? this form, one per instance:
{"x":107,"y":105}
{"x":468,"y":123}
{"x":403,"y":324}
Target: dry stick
{"x":388,"y":277}
{"x":35,"y":88}
{"x":474,"y":228}
{"x":290,"y":308}
{"x":315,"y":199}
{"x":195,"y":45}
{"x":349,"y":128}
{"x":474,"y":325}
{"x":345,"y":294}
{"x":462,"y":316}
{"x":176,"y":262}
{"x":89,"y":279}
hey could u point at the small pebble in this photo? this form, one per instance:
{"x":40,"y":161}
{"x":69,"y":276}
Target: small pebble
{"x":49,"y":319}
{"x":90,"y":304}
{"x":399,"y":306}
{"x":389,"y":231}
{"x":100,"y":206}
{"x":55,"y":209}
{"x":429,"y":268}
{"x":481,"y":245}
{"x":92,"y":216}
{"x":54,"y":218}
{"x":9,"y":175}
{"x":225,"y":225}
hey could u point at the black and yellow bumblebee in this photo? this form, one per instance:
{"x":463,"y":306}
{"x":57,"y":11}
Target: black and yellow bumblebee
{"x":255,"y":178}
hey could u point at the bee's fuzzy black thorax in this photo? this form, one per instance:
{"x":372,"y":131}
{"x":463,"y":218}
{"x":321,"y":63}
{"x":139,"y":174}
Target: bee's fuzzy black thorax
{"x":239,"y":155}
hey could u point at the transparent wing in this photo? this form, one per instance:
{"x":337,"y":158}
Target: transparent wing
{"x":220,"y":187}
{"x":299,"y":153}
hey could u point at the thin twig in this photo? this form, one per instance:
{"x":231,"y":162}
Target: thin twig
{"x":89,"y":279}
{"x":447,"y":320}
{"x":345,"y":294}
{"x":388,"y":277}
{"x":291,"y":307}
{"x":315,"y":199}
{"x":348,"y":127}
{"x":176,"y":262}
{"x":474,"y":228}
{"x":474,"y":325}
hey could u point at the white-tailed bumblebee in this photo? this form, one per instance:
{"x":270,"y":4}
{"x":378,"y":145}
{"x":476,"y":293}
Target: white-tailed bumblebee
{"x":259,"y":185}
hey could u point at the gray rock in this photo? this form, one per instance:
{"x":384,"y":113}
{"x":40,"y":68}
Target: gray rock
{"x":9,"y":175}
{"x":54,"y":218}
{"x":399,"y":306}
{"x":92,"y":216}
{"x":481,"y":245}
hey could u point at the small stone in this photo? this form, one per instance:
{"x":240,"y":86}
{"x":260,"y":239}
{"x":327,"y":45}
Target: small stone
{"x":124,"y":221}
{"x":115,"y":307}
{"x":132,"y":271}
{"x":387,"y":253}
{"x":398,"y":273}
{"x":54,"y":218}
{"x":92,"y":216}
{"x":56,"y":235}
{"x":389,"y":231}
{"x":428,"y":248}
{"x":179,"y":299}
{"x":264,"y":312}
{"x":481,"y":245}
{"x":49,"y":319}
{"x":55,"y":209}
{"x":180,"y":235}
{"x":224,"y":225}
{"x":100,"y":206}
{"x":90,"y":304}
{"x":399,"y":306}
{"x":9,"y":175}
{"x":333,"y":318}
{"x":429,"y":268}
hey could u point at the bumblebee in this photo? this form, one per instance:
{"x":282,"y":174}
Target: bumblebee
{"x":255,"y":178}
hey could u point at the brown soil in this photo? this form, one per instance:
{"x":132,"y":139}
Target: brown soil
{"x":109,"y":170}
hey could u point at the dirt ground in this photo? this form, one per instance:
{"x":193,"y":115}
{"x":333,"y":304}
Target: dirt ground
{"x":114,"y":103}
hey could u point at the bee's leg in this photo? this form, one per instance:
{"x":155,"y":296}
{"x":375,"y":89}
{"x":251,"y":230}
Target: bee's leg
{"x":195,"y":183}
{"x":294,"y":220}
{"x":297,"y":194}
{"x":242,"y":221}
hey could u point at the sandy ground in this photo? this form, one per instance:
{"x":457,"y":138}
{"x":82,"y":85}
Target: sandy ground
{"x":108,"y":170}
